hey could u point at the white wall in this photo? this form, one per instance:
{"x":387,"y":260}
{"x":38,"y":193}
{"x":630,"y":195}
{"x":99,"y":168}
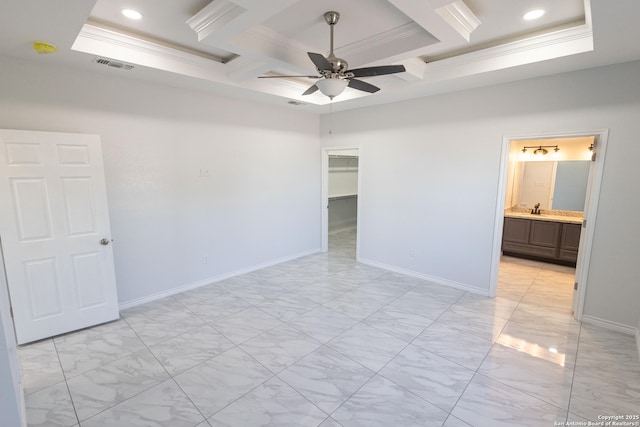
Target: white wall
{"x":536,"y":184}
{"x":260,"y":203}
{"x":343,"y":176}
{"x":429,"y":177}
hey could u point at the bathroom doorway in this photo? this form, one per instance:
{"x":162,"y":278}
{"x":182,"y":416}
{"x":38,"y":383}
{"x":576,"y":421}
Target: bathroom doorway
{"x":340,"y":199}
{"x":545,"y":216}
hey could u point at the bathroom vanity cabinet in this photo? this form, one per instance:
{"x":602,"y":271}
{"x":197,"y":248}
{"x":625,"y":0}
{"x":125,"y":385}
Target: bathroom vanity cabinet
{"x":551,"y":241}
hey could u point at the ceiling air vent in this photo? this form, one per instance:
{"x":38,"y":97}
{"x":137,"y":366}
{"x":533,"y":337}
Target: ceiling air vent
{"x":113,"y":64}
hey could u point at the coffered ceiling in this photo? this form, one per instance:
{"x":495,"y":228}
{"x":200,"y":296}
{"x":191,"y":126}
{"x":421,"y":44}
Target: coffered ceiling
{"x":222,"y":46}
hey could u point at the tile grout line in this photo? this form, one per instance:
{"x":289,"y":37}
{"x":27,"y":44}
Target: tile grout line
{"x":66,"y":382}
{"x":170,"y":377}
{"x":377,"y":373}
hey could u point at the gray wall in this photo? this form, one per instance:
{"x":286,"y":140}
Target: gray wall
{"x":430,"y":171}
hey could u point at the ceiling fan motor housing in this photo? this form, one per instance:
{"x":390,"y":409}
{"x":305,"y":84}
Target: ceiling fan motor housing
{"x":339,"y":65}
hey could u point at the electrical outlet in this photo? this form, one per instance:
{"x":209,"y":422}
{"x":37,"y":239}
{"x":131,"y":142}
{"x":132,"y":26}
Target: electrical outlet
{"x":412,"y":252}
{"x":205,"y":259}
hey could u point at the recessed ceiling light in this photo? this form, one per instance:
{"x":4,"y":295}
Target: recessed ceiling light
{"x":132,"y":14}
{"x":533,"y":14}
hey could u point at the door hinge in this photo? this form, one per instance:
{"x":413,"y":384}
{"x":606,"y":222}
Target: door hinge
{"x":584,"y":223}
{"x":575,"y":286}
{"x":11,"y":311}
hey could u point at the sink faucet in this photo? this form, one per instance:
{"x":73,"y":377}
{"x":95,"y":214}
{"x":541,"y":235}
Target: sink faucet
{"x":536,"y":209}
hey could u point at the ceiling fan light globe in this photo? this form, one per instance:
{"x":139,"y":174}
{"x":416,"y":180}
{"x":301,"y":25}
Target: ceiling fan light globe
{"x":331,"y":87}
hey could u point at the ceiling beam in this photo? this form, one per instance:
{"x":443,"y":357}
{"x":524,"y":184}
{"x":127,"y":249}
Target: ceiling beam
{"x":450,"y":21}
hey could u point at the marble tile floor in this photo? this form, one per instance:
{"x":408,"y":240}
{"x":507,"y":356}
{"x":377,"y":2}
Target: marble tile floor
{"x":325,"y":341}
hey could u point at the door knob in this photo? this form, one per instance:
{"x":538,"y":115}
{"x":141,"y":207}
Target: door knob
{"x":104,"y":242}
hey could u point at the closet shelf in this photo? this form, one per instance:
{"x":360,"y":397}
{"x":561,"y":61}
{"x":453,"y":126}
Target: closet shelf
{"x":343,"y":196}
{"x":343,"y":169}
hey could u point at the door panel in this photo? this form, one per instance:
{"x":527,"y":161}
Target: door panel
{"x":73,"y":155}
{"x":88,"y":279}
{"x":79,"y":204}
{"x":43,"y":288}
{"x":60,"y":277}
{"x":32,"y":208}
{"x":23,"y":154}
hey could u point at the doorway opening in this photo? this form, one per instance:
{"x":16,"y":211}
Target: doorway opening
{"x":340,"y":197}
{"x":547,"y":204}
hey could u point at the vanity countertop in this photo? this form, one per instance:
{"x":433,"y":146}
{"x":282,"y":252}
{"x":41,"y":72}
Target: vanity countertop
{"x":545,"y":217}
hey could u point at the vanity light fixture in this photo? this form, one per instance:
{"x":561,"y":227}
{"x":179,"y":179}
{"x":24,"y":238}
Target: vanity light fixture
{"x":132,"y":14}
{"x":541,"y":149}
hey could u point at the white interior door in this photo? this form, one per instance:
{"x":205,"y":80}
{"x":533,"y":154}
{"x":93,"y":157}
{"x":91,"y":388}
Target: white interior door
{"x":53,"y":221}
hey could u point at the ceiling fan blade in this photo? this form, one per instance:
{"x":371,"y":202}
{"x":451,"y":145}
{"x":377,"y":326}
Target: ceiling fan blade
{"x":320,"y":61}
{"x":363,"y":86}
{"x":280,"y":77}
{"x":310,"y":90}
{"x":377,"y":71}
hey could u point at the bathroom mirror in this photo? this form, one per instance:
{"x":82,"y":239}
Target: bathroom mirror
{"x":557,"y":185}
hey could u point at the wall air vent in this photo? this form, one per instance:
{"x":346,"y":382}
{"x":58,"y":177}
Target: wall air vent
{"x":113,"y":64}
{"x":293,"y":102}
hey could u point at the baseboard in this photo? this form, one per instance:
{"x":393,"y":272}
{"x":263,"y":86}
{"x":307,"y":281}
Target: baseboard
{"x":608,"y":324}
{"x":427,"y":277}
{"x":210,"y":280}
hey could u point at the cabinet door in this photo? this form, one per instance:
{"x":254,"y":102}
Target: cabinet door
{"x":570,"y":236}
{"x":516,"y":230}
{"x":545,"y":233}
{"x":569,"y":242}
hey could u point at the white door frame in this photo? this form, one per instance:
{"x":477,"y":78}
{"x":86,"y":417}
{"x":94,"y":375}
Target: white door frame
{"x":15,"y":406}
{"x":586,"y":239}
{"x":324,"y":198}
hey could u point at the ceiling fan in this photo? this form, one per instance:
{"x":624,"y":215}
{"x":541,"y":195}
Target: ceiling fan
{"x":334,"y":72}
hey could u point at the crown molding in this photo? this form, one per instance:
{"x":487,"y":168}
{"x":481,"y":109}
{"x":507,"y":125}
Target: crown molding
{"x":460,"y":17}
{"x":415,"y":68}
{"x":109,"y":43}
{"x":544,"y":47}
{"x":214,"y":16}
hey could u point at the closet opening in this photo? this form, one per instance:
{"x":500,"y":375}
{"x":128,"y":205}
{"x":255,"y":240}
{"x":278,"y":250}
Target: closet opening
{"x":340,"y":196}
